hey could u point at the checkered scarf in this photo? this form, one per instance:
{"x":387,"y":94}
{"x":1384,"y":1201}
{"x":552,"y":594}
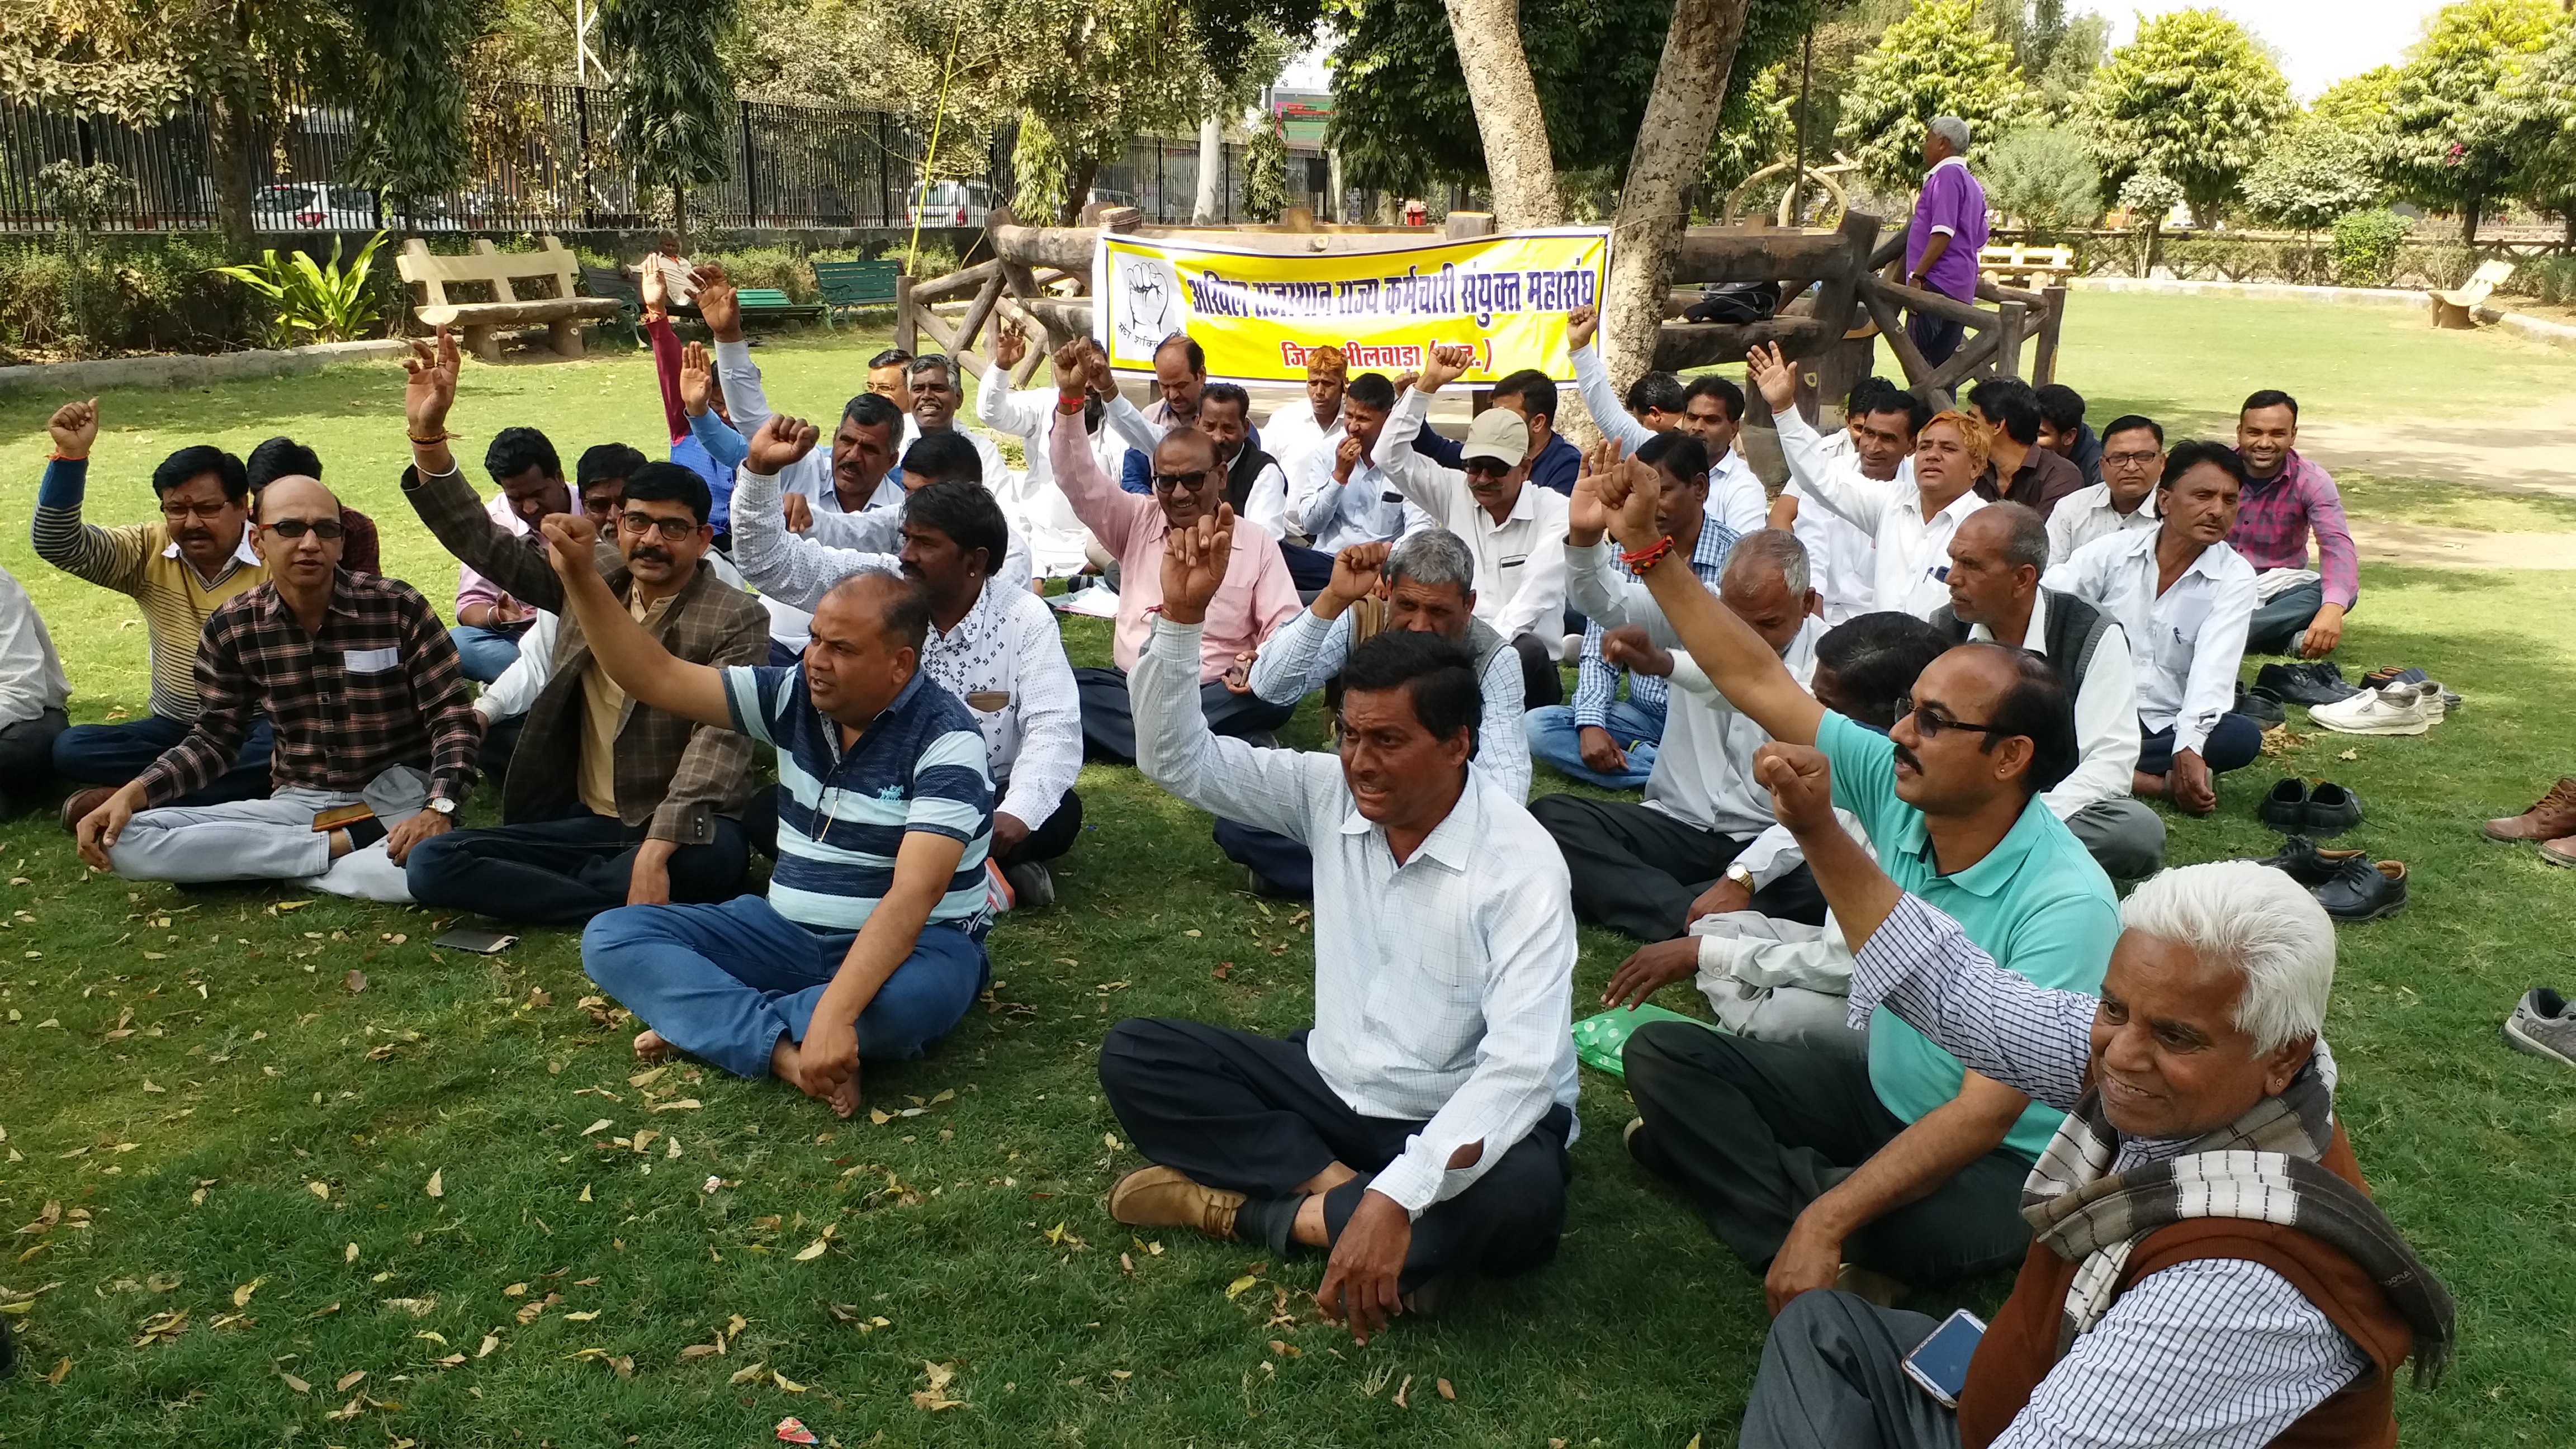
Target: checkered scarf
{"x":2262,"y":1167}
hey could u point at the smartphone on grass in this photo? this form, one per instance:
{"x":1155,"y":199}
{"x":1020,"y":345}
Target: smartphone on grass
{"x":1940,"y":1363}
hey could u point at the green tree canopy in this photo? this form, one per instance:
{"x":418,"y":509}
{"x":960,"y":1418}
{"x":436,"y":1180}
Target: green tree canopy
{"x":2313,"y":172}
{"x":674,"y":94}
{"x":1939,"y":60}
{"x":2192,"y":97}
{"x":2451,"y":139}
{"x":2358,"y":103}
{"x":2043,"y":176}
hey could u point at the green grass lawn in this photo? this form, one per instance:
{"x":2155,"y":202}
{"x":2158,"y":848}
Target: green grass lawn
{"x":231,"y":1131}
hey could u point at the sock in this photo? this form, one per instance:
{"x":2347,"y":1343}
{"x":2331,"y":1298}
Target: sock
{"x":1268,"y":1220}
{"x":363,"y":833}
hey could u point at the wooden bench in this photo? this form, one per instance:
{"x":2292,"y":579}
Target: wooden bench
{"x":848,"y":286}
{"x":2034,"y":266}
{"x":561,"y":314}
{"x":2454,"y":308}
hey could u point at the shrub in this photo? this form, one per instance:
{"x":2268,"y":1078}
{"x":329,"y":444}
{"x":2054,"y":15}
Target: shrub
{"x":2433,"y":264}
{"x":2366,"y":244}
{"x":2045,"y":178}
{"x":327,"y":302}
{"x":2550,"y":280}
{"x":145,"y":295}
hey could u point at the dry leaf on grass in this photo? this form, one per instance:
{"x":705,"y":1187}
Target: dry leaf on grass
{"x":935,"y":1398}
{"x":356,"y":981}
{"x":349,"y":1380}
{"x":812,"y":1250}
{"x":242,"y":1295}
{"x":299,"y":1385}
{"x":1401,"y":1390}
{"x":437,"y":1183}
{"x":1442,"y":1385}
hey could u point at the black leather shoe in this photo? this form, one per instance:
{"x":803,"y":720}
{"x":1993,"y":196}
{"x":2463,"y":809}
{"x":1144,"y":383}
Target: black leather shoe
{"x":2362,"y":891}
{"x":2261,"y":706}
{"x":2301,"y":861}
{"x":2392,"y":674}
{"x":2320,"y":682}
{"x":2332,"y":810}
{"x":2286,"y":808}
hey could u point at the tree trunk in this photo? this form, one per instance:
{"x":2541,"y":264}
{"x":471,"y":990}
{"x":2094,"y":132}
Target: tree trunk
{"x":2469,"y":209}
{"x":1670,"y":151}
{"x":1508,"y":118}
{"x":1075,"y":196}
{"x":679,"y":217}
{"x":228,"y":137}
{"x":1211,"y":197}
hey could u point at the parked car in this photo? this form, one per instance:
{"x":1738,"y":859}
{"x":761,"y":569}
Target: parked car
{"x":312,"y":206}
{"x":951,"y":203}
{"x":1106,"y":196}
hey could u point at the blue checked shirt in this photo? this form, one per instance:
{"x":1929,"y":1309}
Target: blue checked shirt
{"x":842,"y":815}
{"x":1596,"y":680}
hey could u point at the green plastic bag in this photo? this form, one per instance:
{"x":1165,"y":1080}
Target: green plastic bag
{"x":1598,"y":1040}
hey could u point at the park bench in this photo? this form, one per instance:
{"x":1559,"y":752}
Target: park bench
{"x":768,"y":304}
{"x":2023,"y":265}
{"x":848,"y":286}
{"x":561,"y":314}
{"x":2454,"y":307}
{"x":614,"y":284}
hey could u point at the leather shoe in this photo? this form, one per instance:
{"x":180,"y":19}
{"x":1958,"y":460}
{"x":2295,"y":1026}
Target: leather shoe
{"x":2261,"y":706}
{"x":2361,"y":890}
{"x":2332,"y":809}
{"x":2319,"y":682}
{"x":80,"y":803}
{"x":2301,"y":861}
{"x":1163,"y":1197}
{"x":2286,"y":808}
{"x":2550,"y":817}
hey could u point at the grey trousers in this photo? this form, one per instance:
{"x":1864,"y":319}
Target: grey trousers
{"x":271,"y":839}
{"x":1833,"y":1377}
{"x":2125,"y":837}
{"x":2278,"y":625}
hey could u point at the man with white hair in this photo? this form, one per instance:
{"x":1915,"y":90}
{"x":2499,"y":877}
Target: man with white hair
{"x":2208,"y":1267}
{"x":1948,"y":229}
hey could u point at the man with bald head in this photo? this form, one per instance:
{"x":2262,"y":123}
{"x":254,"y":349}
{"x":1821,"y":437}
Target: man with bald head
{"x":870,"y":943}
{"x":1251,"y":602}
{"x":1903,"y":1162}
{"x":362,"y":690}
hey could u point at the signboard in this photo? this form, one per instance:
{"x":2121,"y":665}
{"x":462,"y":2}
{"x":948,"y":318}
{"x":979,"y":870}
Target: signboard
{"x":1257,"y":313}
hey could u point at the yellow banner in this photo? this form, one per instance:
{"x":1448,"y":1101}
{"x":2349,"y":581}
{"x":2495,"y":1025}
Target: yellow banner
{"x":1257,"y":314}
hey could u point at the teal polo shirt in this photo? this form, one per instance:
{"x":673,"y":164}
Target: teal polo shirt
{"x":2037,"y":903}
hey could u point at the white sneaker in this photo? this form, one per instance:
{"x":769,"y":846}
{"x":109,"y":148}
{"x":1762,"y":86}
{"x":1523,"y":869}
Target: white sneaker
{"x":1569,"y":650}
{"x":2429,"y":694}
{"x":2397,"y":710}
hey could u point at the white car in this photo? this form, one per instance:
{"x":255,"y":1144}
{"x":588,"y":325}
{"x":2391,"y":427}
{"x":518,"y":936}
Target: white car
{"x":951,"y":203}
{"x":313,"y":206}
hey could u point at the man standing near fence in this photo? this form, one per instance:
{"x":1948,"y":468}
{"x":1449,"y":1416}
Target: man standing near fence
{"x":1949,"y":229}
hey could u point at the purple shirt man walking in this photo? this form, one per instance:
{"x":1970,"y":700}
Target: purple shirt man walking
{"x":1948,"y":230}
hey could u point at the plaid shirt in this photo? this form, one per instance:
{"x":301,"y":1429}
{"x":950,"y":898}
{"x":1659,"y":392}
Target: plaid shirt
{"x":2272,"y":526}
{"x":379,"y":687}
{"x":674,"y":773}
{"x":1596,"y":680}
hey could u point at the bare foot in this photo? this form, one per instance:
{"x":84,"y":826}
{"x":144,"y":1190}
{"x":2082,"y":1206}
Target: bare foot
{"x":845,"y":1097}
{"x":787,"y":1063}
{"x":650,"y":1046}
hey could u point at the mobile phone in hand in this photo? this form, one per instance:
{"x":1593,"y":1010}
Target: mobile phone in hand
{"x":1939,"y":1364}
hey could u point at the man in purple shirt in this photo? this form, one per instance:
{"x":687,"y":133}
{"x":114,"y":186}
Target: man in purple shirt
{"x":1949,"y":227}
{"x":2286,"y":497}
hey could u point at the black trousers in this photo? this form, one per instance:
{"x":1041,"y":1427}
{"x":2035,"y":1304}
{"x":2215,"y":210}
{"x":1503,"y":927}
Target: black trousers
{"x":1288,"y":866}
{"x":563,"y":872}
{"x":27,"y":759}
{"x":1755,"y":1131}
{"x":1250,"y":1114}
{"x":1637,"y":870}
{"x":1109,"y":729}
{"x":1541,"y":685}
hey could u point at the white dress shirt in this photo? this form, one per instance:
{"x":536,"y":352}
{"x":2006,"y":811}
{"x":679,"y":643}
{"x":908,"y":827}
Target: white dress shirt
{"x":1059,"y":546}
{"x":1912,"y":568}
{"x":1367,"y":509}
{"x":1444,"y":985}
{"x":31,"y":673}
{"x":2195,"y":632}
{"x":793,"y":573}
{"x":810,"y":475}
{"x":1520,"y":562}
{"x":1842,"y":561}
{"x":1289,"y":436}
{"x":1265,"y":503}
{"x":2106,"y":713}
{"x":1703,"y":775}
{"x":1309,"y":649}
{"x":2086,"y":514}
{"x":1735,"y":496}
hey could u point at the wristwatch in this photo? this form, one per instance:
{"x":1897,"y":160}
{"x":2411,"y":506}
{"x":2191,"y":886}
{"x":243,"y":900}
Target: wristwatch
{"x":1741,"y":875}
{"x":442,"y":805}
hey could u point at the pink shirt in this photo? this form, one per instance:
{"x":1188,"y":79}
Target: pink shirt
{"x":473,"y":588}
{"x":1255,"y":599}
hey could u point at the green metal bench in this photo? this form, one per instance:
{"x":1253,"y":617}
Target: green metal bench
{"x":847,"y":286}
{"x":768,"y":304}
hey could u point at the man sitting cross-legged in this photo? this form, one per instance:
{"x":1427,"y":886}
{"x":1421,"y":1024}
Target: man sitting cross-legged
{"x":1903,"y":1164}
{"x":992,"y":643}
{"x":1418,"y":1130}
{"x":2287,"y":497}
{"x":870,"y":943}
{"x":608,"y":801}
{"x":2191,"y":597}
{"x":1427,"y":584}
{"x":1254,"y":599}
{"x":1995,"y":595}
{"x":178,"y":569}
{"x":375,"y":735}
{"x":2133,"y":458}
{"x":2208,"y":1268}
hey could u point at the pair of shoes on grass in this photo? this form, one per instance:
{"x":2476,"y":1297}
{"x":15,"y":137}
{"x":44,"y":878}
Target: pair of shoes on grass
{"x":2351,"y":886}
{"x":2295,"y":807}
{"x":2544,"y":1024}
{"x":2397,"y":708}
{"x":2550,"y":823}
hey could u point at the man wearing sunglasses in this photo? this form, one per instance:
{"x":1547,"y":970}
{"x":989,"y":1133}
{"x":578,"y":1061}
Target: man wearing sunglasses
{"x":608,"y":801}
{"x":1904,"y":1163}
{"x":375,"y":733}
{"x":178,"y":569}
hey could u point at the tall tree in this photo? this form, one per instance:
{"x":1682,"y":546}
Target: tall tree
{"x":2451,"y":138}
{"x":1939,"y":60}
{"x":2542,"y":104}
{"x":2192,"y":97}
{"x":411,"y":118}
{"x":1508,"y":118}
{"x":674,"y":97}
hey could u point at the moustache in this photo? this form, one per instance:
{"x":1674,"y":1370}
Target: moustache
{"x":1905,"y":756}
{"x":650,"y":552}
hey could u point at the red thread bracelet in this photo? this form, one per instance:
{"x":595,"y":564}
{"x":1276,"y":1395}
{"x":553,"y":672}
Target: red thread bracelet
{"x":1647,"y":557}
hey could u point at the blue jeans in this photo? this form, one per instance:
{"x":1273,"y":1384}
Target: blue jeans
{"x":486,"y":654}
{"x":112,"y":754}
{"x":724,"y":982}
{"x":2234,"y":742}
{"x":1555,"y":738}
{"x":2278,"y":625}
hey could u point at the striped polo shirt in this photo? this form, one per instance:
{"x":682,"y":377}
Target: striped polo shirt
{"x":842,"y":815}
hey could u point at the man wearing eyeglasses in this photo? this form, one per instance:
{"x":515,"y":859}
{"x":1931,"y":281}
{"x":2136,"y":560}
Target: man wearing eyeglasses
{"x":375,"y":733}
{"x":2133,"y":458}
{"x":1904,"y":1163}
{"x":179,"y":568}
{"x":608,"y":801}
